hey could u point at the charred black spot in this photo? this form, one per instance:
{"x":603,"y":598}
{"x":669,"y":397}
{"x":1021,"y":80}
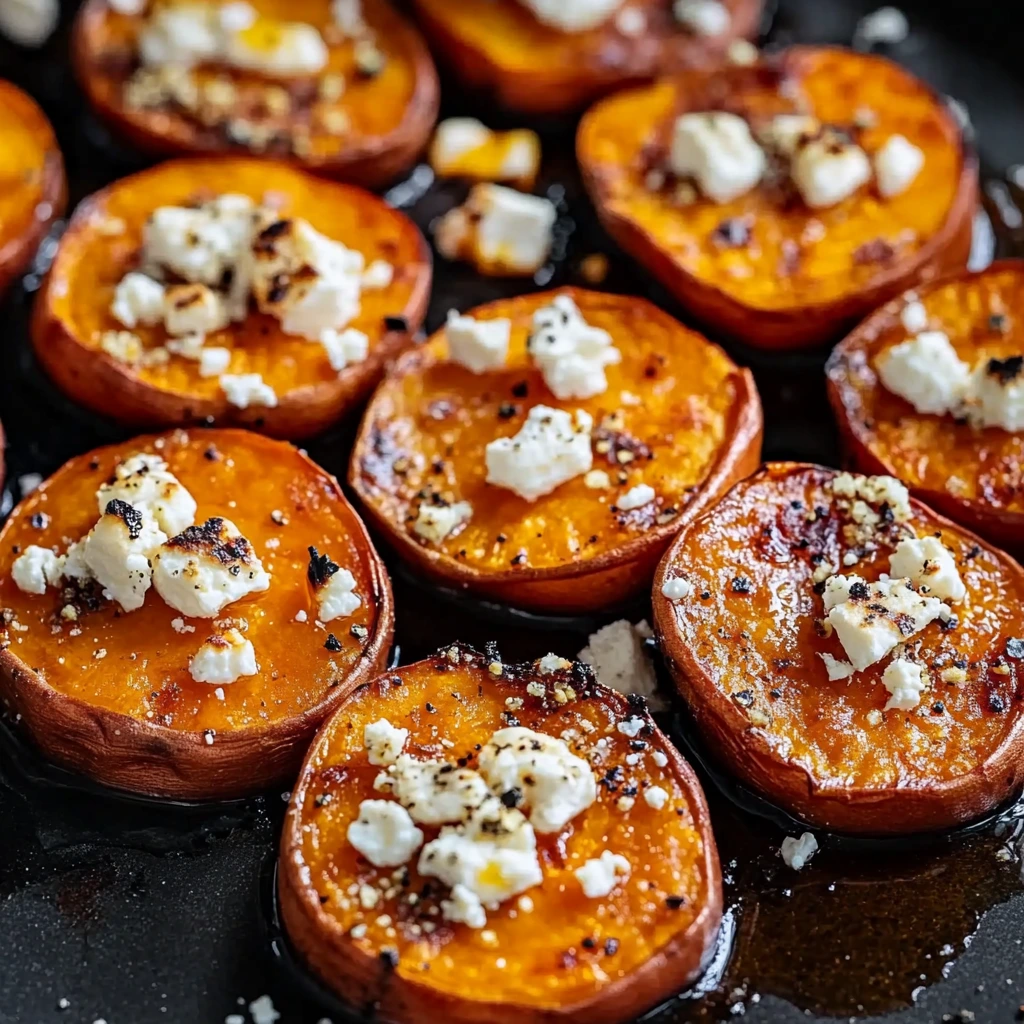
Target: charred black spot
{"x":396,"y":323}
{"x":732,"y":233}
{"x":741,"y":585}
{"x":332,"y":643}
{"x":675,"y":902}
{"x":320,"y":568}
{"x":859,"y":591}
{"x":128,"y":514}
{"x":1005,"y":370}
{"x":512,"y":797}
{"x":211,"y":538}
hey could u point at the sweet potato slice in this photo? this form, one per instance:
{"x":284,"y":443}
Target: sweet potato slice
{"x":110,"y":693}
{"x":748,"y":649}
{"x":552,"y":954}
{"x":678,"y":415}
{"x":32,"y":186}
{"x":538,"y":69}
{"x":102,"y":244}
{"x":971,"y":475}
{"x":766,"y":268}
{"x":351,"y":121}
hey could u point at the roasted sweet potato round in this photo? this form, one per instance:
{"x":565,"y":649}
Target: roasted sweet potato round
{"x":72,"y":313}
{"x":32,"y":186}
{"x":387,"y":937}
{"x":111,"y":694}
{"x":765,"y":267}
{"x":760,"y":667}
{"x":364,"y":118}
{"x":678,"y":416}
{"x":531,"y":67}
{"x":971,"y":475}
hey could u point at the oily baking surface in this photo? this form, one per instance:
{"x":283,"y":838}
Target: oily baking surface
{"x":137,"y":915}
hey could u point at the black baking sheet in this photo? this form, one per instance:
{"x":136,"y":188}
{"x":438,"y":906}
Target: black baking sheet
{"x":135,"y":913}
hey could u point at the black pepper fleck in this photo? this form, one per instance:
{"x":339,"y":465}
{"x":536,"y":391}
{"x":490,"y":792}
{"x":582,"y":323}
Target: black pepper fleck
{"x":332,"y":643}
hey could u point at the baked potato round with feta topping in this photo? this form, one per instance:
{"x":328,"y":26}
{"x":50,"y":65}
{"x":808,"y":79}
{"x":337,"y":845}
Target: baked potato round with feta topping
{"x":32,"y":186}
{"x":582,"y":526}
{"x":143,"y":700}
{"x":528,"y":66}
{"x":765,"y":265}
{"x":592,"y":919}
{"x":362,"y":111}
{"x":848,"y":652}
{"x":131,"y":375}
{"x":951,"y":430}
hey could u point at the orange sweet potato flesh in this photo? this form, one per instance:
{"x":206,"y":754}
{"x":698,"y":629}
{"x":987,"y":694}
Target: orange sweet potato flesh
{"x":691,"y":417}
{"x":103,"y":243}
{"x":537,"y":69}
{"x":389,"y":116}
{"x":32,"y":186}
{"x":806,"y":274}
{"x":134,"y":718}
{"x":747,"y":664}
{"x":972,"y":476}
{"x":569,"y":958}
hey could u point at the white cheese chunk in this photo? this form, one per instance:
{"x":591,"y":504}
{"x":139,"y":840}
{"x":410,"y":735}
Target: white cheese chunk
{"x":193,"y":309}
{"x":205,"y":568}
{"x":138,"y":299}
{"x":183,"y":34}
{"x":572,"y":15}
{"x":478,"y":345}
{"x":717,"y":151}
{"x":432,"y":792}
{"x":550,"y":664}
{"x":144,"y":480}
{"x":555,"y":784}
{"x":384,"y":833}
{"x":569,"y":352}
{"x":887,"y":25}
{"x":598,"y":876}
{"x":875,"y":490}
{"x":836,"y":669}
{"x":224,"y":658}
{"x":703,"y":17}
{"x":337,"y":598}
{"x":926,"y":372}
{"x":550,"y":448}
{"x":29,"y":22}
{"x":656,"y":797}
{"x":344,"y":348}
{"x":828,"y":169}
{"x":995,"y":394}
{"x":617,"y":656}
{"x":897,"y":164}
{"x":797,"y":852}
{"x":873,"y":618}
{"x":213,"y":361}
{"x":784,"y":133}
{"x":905,"y":682}
{"x":914,"y":317}
{"x":276,"y":48}
{"x":435,"y":522}
{"x":383,"y":741}
{"x":246,"y":389}
{"x":635,"y":497}
{"x":348,"y":16}
{"x":35,"y":569}
{"x":455,"y":137}
{"x":676,"y":589}
{"x":379,"y":274}
{"x":118,"y":549}
{"x":928,"y":563}
{"x":464,"y":907}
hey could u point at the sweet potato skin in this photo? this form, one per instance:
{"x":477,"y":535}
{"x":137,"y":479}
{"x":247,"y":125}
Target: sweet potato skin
{"x":816,"y":755}
{"x":72,"y":309}
{"x":701,"y":445}
{"x":34,"y":191}
{"x":968,"y":475}
{"x":473,"y":989}
{"x":393,"y":115}
{"x":836,"y":265}
{"x":96,"y":724}
{"x":535,"y":69}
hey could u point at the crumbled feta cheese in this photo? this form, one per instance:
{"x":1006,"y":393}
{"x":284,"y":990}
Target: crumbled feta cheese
{"x":549,"y":449}
{"x":897,"y":164}
{"x":656,"y":797}
{"x":384,"y":833}
{"x":635,"y":497}
{"x":569,"y":352}
{"x":886,"y":25}
{"x":743,"y":53}
{"x":464,"y":147}
{"x":224,"y":658}
{"x":29,"y":22}
{"x":717,"y":151}
{"x":914,"y":317}
{"x":383,"y":741}
{"x":214,"y":361}
{"x":572,"y":15}
{"x":875,"y":490}
{"x":344,"y":348}
{"x":118,"y":550}
{"x":836,"y":669}
{"x":181,"y":34}
{"x":144,"y":480}
{"x":263,"y":1012}
{"x":616,"y":654}
{"x":180,"y":626}
{"x":193,"y":309}
{"x":784,"y":133}
{"x":138,"y":299}
{"x":379,"y":274}
{"x":276,"y":48}
{"x":348,"y":16}
{"x":432,"y":792}
{"x":29,"y":482}
{"x":906,"y":682}
{"x":336,"y":597}
{"x":926,"y":372}
{"x":995,"y":394}
{"x":35,"y":569}
{"x":498,"y":227}
{"x":797,"y":852}
{"x":205,"y":568}
{"x":552,"y":663}
{"x":676,"y":588}
{"x":659,"y":757}
{"x":597,"y":480}
{"x":464,"y":907}
{"x":556,"y":785}
{"x":598,"y":876}
{"x":828,"y":169}
{"x":870,"y":619}
{"x":454,"y":137}
{"x":478,"y":345}
{"x":435,"y":522}
{"x":631,"y":727}
{"x":929,"y":564}
{"x":703,"y":17}
{"x":245,"y":389}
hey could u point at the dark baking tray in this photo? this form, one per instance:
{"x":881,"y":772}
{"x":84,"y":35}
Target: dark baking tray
{"x":134,"y":912}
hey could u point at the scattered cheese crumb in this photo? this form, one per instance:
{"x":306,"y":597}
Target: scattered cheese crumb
{"x":797,"y":852}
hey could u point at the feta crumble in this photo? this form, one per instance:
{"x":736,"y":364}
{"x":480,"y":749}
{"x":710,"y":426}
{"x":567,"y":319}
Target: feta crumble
{"x":223,"y":658}
{"x":345,"y":348}
{"x":926,"y":372}
{"x":572,"y":15}
{"x":928,"y":563}
{"x":598,"y":876}
{"x":243,"y":390}
{"x":383,"y":741}
{"x":828,"y":169}
{"x":897,"y":164}
{"x":797,"y":852}
{"x":656,"y":797}
{"x":144,"y":480}
{"x":35,"y":569}
{"x":384,"y":833}
{"x":635,"y":497}
{"x":337,"y":598}
{"x":905,"y":682}
{"x":676,"y":588}
{"x":478,"y":345}
{"x":463,"y":906}
{"x":836,"y":669}
{"x":717,"y":151}
{"x":436,"y":522}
